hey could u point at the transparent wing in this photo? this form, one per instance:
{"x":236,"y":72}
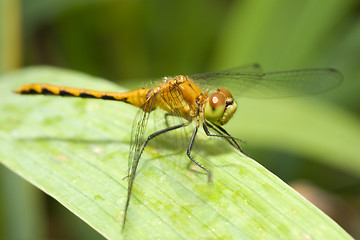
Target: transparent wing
{"x":249,"y":68}
{"x":136,"y":145}
{"x":271,"y":84}
{"x":173,"y":98}
{"x":137,"y":137}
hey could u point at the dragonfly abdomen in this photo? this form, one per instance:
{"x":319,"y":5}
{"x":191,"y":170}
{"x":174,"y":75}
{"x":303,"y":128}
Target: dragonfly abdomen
{"x":136,"y":97}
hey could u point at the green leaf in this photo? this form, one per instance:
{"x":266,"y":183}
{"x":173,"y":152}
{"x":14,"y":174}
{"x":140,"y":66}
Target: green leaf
{"x":76,"y":151}
{"x":304,"y":126}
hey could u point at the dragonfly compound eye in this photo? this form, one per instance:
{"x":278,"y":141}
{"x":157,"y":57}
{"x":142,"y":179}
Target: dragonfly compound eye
{"x":226,"y":92}
{"x":220,"y":107}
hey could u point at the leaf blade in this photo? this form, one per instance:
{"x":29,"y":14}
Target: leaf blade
{"x":76,"y":151}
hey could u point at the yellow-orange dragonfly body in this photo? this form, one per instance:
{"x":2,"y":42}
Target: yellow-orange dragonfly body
{"x":182,"y":96}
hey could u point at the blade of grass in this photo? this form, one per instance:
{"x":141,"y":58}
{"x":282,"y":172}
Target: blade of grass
{"x":304,"y":126}
{"x":76,"y":151}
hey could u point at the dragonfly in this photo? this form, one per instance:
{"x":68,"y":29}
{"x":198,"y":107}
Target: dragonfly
{"x":200,"y":98}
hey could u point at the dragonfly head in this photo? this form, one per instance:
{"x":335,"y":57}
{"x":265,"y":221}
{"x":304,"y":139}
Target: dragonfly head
{"x":220,"y":107}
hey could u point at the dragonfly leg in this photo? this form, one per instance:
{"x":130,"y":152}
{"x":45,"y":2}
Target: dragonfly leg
{"x":134,"y":167}
{"x":167,"y":115}
{"x":191,"y":158}
{"x":166,"y":118}
{"x":222,"y":133}
{"x":216,"y":130}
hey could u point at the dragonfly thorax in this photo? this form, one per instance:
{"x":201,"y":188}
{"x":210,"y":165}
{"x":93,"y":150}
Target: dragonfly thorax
{"x":220,"y":107}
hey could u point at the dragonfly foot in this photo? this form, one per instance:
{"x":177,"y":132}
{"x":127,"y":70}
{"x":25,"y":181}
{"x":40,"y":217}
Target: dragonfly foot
{"x":125,"y":177}
{"x":209,"y":177}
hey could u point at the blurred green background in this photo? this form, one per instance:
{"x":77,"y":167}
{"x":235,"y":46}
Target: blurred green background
{"x":126,"y":40}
